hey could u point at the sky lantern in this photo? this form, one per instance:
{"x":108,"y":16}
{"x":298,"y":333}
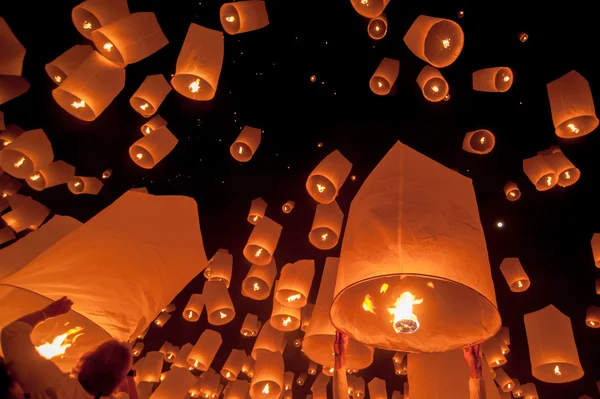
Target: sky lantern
{"x":596,"y":248}
{"x":492,"y":351}
{"x":327,"y":226}
{"x":176,"y":384}
{"x":169,"y":351}
{"x":397,"y":395}
{"x":67,"y":63}
{"x":294,"y":284}
{"x":592,"y":316}
{"x":193,"y":309}
{"x":58,"y":172}
{"x":85,"y":185}
{"x":288,"y":380}
{"x":237,"y":389}
{"x":327,"y":178}
{"x":480,"y":142}
{"x":377,"y":27}
{"x":219,"y":307}
{"x":306,"y":316}
{"x":259,"y":280}
{"x":181,"y":359}
{"x":243,"y":16}
{"x":26,"y":214}
{"x":153,"y":124}
{"x":512,"y":192}
{"x":248,"y":367}
{"x":285,"y":318}
{"x":298,"y":342}
{"x":385,"y":76}
{"x":301,"y":379}
{"x":150,"y":95}
{"x":435,"y":40}
{"x":199,"y":63}
{"x":219,"y":267}
{"x":87,"y":92}
{"x":540,"y":173}
{"x":10,"y":134}
{"x":529,"y":391}
{"x":401,"y":368}
{"x":12,"y":84}
{"x":269,"y":339}
{"x":107,"y":173}
{"x":515,"y":275}
{"x":162,"y":319}
{"x":152,"y":367}
{"x":552,"y":347}
{"x":248,"y":141}
{"x":251,"y":326}
{"x":258,"y":207}
{"x":572,"y":106}
{"x":359,"y":387}
{"x":444,"y":298}
{"x":369,"y":8}
{"x":205,"y":349}
{"x":137,"y":349}
{"x":505,"y":383}
{"x":6,"y":235}
{"x":517,"y":391}
{"x":498,"y":79}
{"x":288,"y":207}
{"x":233,"y":364}
{"x":567,"y":173}
{"x":377,"y":389}
{"x":28,"y":153}
{"x":398,"y":357}
{"x":432,"y":84}
{"x":93,"y":14}
{"x":267,"y":382}
{"x":262,"y":242}
{"x":151,"y":149}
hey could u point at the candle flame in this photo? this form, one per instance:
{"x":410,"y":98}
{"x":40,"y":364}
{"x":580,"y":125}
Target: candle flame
{"x":286,"y":321}
{"x":519,"y":284}
{"x":435,"y":89}
{"x":256,"y":287}
{"x":512,"y":194}
{"x":59,"y":344}
{"x":108,"y":46}
{"x":58,"y":79}
{"x":592,"y":323}
{"x":324,"y":237}
{"x":139,"y":155}
{"x":573,"y":128}
{"x":567,"y":175}
{"x":258,"y":253}
{"x":190,"y":314}
{"x":195,"y":86}
{"x":321,"y":188}
{"x":222,"y":315}
{"x":34,"y":177}
{"x":170,"y":356}
{"x":379,"y":84}
{"x":446,"y":43}
{"x":78,"y":105}
{"x":368,"y":304}
{"x":77,"y":184}
{"x":19,"y":162}
{"x":364,"y":2}
{"x":557,"y":370}
{"x":230,"y":18}
{"x":377,"y":28}
{"x":508,"y":386}
{"x":292,"y":298}
{"x":144,"y":106}
{"x":148,"y":130}
{"x":497,"y":361}
{"x":6,"y":142}
{"x":506,"y":78}
{"x":4,"y":195}
{"x":266,"y":389}
{"x":196,"y":363}
{"x":87,"y":25}
{"x":383,"y":288}
{"x":240,"y":150}
{"x":482,"y":140}
{"x":135,"y":353}
{"x":255,"y":218}
{"x":549,"y":180}
{"x":404,"y":319}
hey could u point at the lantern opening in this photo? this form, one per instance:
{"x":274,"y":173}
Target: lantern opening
{"x":321,"y":188}
{"x":405,"y":320}
{"x":572,"y":127}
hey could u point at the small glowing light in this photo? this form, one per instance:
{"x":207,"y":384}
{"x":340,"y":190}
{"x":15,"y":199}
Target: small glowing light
{"x":368,"y":304}
{"x":482,"y":140}
{"x":557,"y":370}
{"x":162,"y":377}
{"x":500,"y":224}
{"x":573,"y":128}
{"x":190,"y":314}
{"x":592,"y":323}
{"x":321,"y":188}
{"x":567,"y":175}
{"x":549,"y":180}
{"x":194,"y":87}
{"x":512,"y":194}
{"x":523,"y":37}
{"x":383,"y":288}
{"x":506,"y":78}
{"x":430,"y":284}
{"x":222,"y":315}
{"x":6,"y":142}
{"x":148,"y":130}
{"x":446,"y":43}
{"x":59,"y":344}
{"x":461,"y":14}
{"x":324,"y":237}
{"x":108,"y":46}
{"x":255,"y":218}
{"x":87,"y":25}
{"x":435,"y":89}
{"x":135,"y":353}
{"x":139,"y":155}
{"x":447,"y":97}
{"x":196,"y":363}
{"x":292,"y":298}
{"x":377,"y":28}
{"x":405,"y":320}
{"x":258,"y":253}
{"x":379,"y":84}
{"x":331,"y":370}
{"x":19,"y":162}
{"x":34,"y":177}
{"x":58,"y":79}
{"x":157,"y":322}
{"x":519,"y":284}
{"x":256,"y":287}
{"x":364,"y":2}
{"x":240,"y":150}
{"x":313,"y":78}
{"x":508,"y":386}
{"x":266,"y":389}
{"x":497,"y":361}
{"x":170,"y":356}
{"x":228,"y":375}
{"x":144,"y":106}
{"x":353,"y":177}
{"x":4,"y":195}
{"x":286,"y":321}
{"x":230,"y":18}
{"x":78,"y":105}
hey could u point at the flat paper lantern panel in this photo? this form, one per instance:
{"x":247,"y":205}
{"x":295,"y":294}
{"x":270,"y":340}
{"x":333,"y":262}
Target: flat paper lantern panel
{"x":327,"y":178}
{"x":258,"y":207}
{"x":153,"y":124}
{"x":327,"y":226}
{"x":435,"y":40}
{"x":505,"y":383}
{"x":267,"y":382}
{"x":385,"y":76}
{"x":93,"y":14}
{"x":592,"y":317}
{"x":199,"y":63}
{"x":28,"y":153}
{"x":85,"y":185}
{"x":150,"y":95}
{"x":285,"y":318}
{"x":233,"y":364}
{"x":572,"y":106}
{"x":259,"y":280}
{"x":219,"y":267}
{"x":12,"y":84}
{"x":269,"y":339}
{"x":237,"y":389}
{"x":369,"y":8}
{"x":56,"y":173}
{"x":498,"y":79}
{"x":432,"y":84}
{"x":262,"y":242}
{"x":243,"y":16}
{"x":219,"y":307}
{"x":251,"y":325}
{"x":378,"y":27}
{"x":10,"y":134}
{"x":377,"y":389}
{"x":515,"y":276}
{"x":176,"y":384}
{"x":28,"y":215}
{"x":6,"y":235}
{"x":529,"y":391}
{"x":87,"y":92}
{"x":479,"y":142}
{"x":67,"y":63}
{"x":294,"y":284}
{"x":205,"y":350}
{"x":306,"y":316}
{"x":248,"y":141}
{"x":130,"y":39}
{"x":540,"y":173}
{"x":512,"y":192}
{"x":596,"y":248}
{"x":567,"y":173}
{"x":445,"y":297}
{"x":301,"y":379}
{"x":148,"y":151}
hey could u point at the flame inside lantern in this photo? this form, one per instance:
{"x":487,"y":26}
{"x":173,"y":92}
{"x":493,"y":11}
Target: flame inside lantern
{"x":230,"y":18}
{"x":194,"y":87}
{"x":292,"y":298}
{"x":58,"y":78}
{"x":256,"y":287}
{"x":144,"y":106}
{"x":19,"y":162}
{"x":240,"y":150}
{"x":321,"y":188}
{"x":78,"y":105}
{"x":383,"y":288}
{"x":34,"y":177}
{"x":190,"y":314}
{"x":148,"y":130}
{"x":573,"y":128}
{"x":482,"y":140}
{"x":368,"y":304}
{"x":60,"y":343}
{"x":222,"y":315}
{"x":255,"y":218}
{"x":87,"y":25}
{"x":258,"y":253}
{"x":108,"y":46}
{"x":435,"y":89}
{"x":557,"y":370}
{"x":404,"y":319}
{"x":266,"y":390}
{"x":286,"y":321}
{"x":446,"y":43}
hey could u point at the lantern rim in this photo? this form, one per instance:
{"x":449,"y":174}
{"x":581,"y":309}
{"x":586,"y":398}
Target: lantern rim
{"x":569,"y":372}
{"x":432,"y":96}
{"x":246,"y":154}
{"x":585,"y":123}
{"x":80,"y":15}
{"x":39,"y":184}
{"x":248,"y":288}
{"x":136,"y":102}
{"x":215,"y":319}
{"x":499,"y":82}
{"x":315,"y":238}
{"x":374,"y":34}
{"x":542,"y":184}
{"x":65,"y":99}
{"x":293,"y":326}
{"x":282,"y":295}
{"x":574,"y":174}
{"x":52,"y":71}
{"x":182,"y":81}
{"x":147,"y":161}
{"x":437,"y":57}
{"x":329,"y":193}
{"x":8,"y":159}
{"x":195,"y":315}
{"x":230,"y":10}
{"x":263,"y":259}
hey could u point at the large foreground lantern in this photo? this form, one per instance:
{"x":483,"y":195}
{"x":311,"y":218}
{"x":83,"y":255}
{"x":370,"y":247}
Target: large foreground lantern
{"x":566,"y":172}
{"x":327,"y":226}
{"x":85,"y":185}
{"x":153,"y":124}
{"x":93,"y":14}
{"x":150,"y":95}
{"x":205,"y":349}
{"x":247,"y":142}
{"x":262,"y":242}
{"x":498,"y":79}
{"x":285,"y":318}
{"x":540,"y":173}
{"x":377,"y":27}
{"x":199,"y":63}
{"x":219,"y":267}
{"x":28,"y":153}
{"x":515,"y":275}
{"x":552,"y":347}
{"x":414,"y":280}
{"x":432,"y":84}
{"x":67,"y":63}
{"x":219,"y":306}
{"x":152,"y":148}
{"x":435,"y":40}
{"x":294,"y":283}
{"x":258,"y":207}
{"x":385,"y":76}
{"x":243,"y":16}
{"x":267,"y":382}
{"x":259,"y":281}
{"x":12,"y":84}
{"x":369,"y":8}
{"x":327,"y":178}
{"x":479,"y":142}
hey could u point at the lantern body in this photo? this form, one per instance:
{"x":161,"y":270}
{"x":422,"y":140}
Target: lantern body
{"x":107,"y":173}
{"x":398,"y":357}
{"x":87,"y":92}
{"x":504,"y":335}
{"x":312,"y":368}
{"x":150,"y":95}
{"x":28,"y":214}
{"x":598,"y":286}
{"x":504,"y":381}
{"x":169,"y":308}
{"x":418,"y":241}
{"x":151,"y":149}
{"x":56,"y":173}
{"x":9,"y":186}
{"x":237,"y":389}
{"x":370,"y":8}
{"x":269,"y":339}
{"x":592,"y":317}
{"x":267,"y":382}
{"x":479,"y":142}
{"x":517,"y":391}
{"x":248,"y":141}
{"x":194,"y":307}
{"x":219,"y":267}
{"x":258,"y":207}
{"x":385,"y":76}
{"x":327,"y":226}
{"x":67,"y":63}
{"x":169,"y":351}
{"x":377,"y":389}
{"x":176,"y":385}
{"x":492,"y":351}
{"x":233,"y":364}
{"x":327,"y":178}
{"x":512,"y":192}
{"x":203,"y":353}
{"x":162,"y":319}
{"x":540,"y":173}
{"x":572,"y":106}
{"x":515,"y":276}
{"x":259,"y":280}
{"x":243,"y":16}
{"x":377,"y":27}
{"x":12,"y":84}
{"x":2,"y":125}
{"x":397,"y":395}
{"x":401,"y":368}
{"x":153,"y":124}
{"x":319,"y":386}
{"x":181,"y":359}
{"x":84,"y":185}
{"x":294,"y":283}
{"x":596,"y":248}
{"x":306,"y":316}
{"x":298,"y":342}
{"x":435,"y":40}
{"x":498,"y":79}
{"x":251,"y":325}
{"x":137,"y":349}
{"x":529,"y":391}
{"x":288,"y":206}
{"x":432,"y":84}
{"x":10,"y":134}
{"x":567,"y":173}
{"x":93,"y":14}
{"x":359,"y":387}
{"x":285,"y":318}
{"x":262,"y":242}
{"x":288,"y":380}
{"x":151,"y":367}
{"x":219,"y":307}
{"x":248,"y":367}
{"x":552,"y":346}
{"x":199,"y":63}
{"x":28,"y":153}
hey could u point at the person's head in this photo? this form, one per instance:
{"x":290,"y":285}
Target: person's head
{"x":8,"y":388}
{"x":102,"y":370}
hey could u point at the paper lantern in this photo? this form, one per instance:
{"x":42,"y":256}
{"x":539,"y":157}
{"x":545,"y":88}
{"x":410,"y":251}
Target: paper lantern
{"x":169,"y":351}
{"x":151,"y":149}
{"x":251,"y":325}
{"x":248,"y":141}
{"x":107,"y":173}
{"x":233,"y":364}
{"x":294,"y":283}
{"x":595,"y":248}
{"x":6,"y":235}
{"x":567,"y":173}
{"x":85,"y":185}
{"x":312,"y":368}
{"x":199,"y":63}
{"x":540,"y":173}
{"x":369,"y":8}
{"x":327,"y":226}
{"x":515,"y":276}
{"x":269,"y":339}
{"x":401,"y":368}
{"x":237,"y":389}
{"x":359,"y":387}
{"x":259,"y":280}
{"x":181,"y":359}
{"x":492,"y":351}
{"x":285,"y":318}
{"x":258,"y":208}
{"x":248,"y":367}
{"x":203,"y":353}
{"x":262,"y":242}
{"x":592,"y":317}
{"x":12,"y":84}
{"x":479,"y":142}
{"x":93,"y":14}
{"x":219,"y":307}
{"x":194,"y":307}
{"x":517,"y":391}
{"x":209,"y":384}
{"x":505,"y":383}
{"x":151,"y":367}
{"x":243,"y":16}
{"x":153,"y":124}
{"x":306,"y":316}
{"x":67,"y":63}
{"x":288,"y":380}
{"x":498,"y":79}
{"x":267,"y":382}
{"x":176,"y":384}
{"x":397,"y":395}
{"x":435,"y":40}
{"x":512,"y":192}
{"x":58,"y":172}
{"x":288,"y":206}
{"x":384,"y":77}
{"x":28,"y":153}
{"x":137,"y":349}
{"x":9,"y":186}
{"x":432,"y":84}
{"x":377,"y":389}
{"x":150,"y":95}
{"x":29,"y":214}
{"x":10,"y":134}
{"x":504,"y":335}
{"x":142,"y":335}
{"x":130,"y":39}
{"x":419,"y":253}
{"x":219,"y":267}
{"x":87,"y":92}
{"x":529,"y":391}
{"x":327,"y":178}
{"x":162,"y":319}
{"x":301,"y":379}
{"x":377,"y":27}
{"x":572,"y":106}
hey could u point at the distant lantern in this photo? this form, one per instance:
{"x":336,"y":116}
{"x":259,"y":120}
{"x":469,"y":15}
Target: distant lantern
{"x":369,"y":8}
{"x":312,"y":368}
{"x":598,"y":286}
{"x":398,"y":357}
{"x":435,"y":40}
{"x":327,"y":178}
{"x":162,"y":319}
{"x":596,"y":248}
{"x":9,"y":135}
{"x":327,"y":226}
{"x":233,"y":364}
{"x":498,"y":79}
{"x":28,"y":214}
{"x":298,"y":342}
{"x":529,"y":391}
{"x":432,"y":84}
{"x":397,"y":395}
{"x":247,"y":142}
{"x":378,"y":27}
{"x":505,"y":383}
{"x":479,"y":142}
{"x":504,"y":335}
{"x":176,"y":384}
{"x":151,"y":149}
{"x":512,"y":192}
{"x":199,"y":63}
{"x":219,"y":307}
{"x":91,"y":88}
{"x":540,"y":173}
{"x":169,"y":351}
{"x":85,"y":185}
{"x":151,"y":367}
{"x":567,"y":173}
{"x":301,"y":379}
{"x":552,"y":347}
{"x":259,"y":281}
{"x":220,"y":267}
{"x":137,"y":349}
{"x":262,"y":242}
{"x":130,"y":39}
{"x":401,"y":368}
{"x":181,"y":359}
{"x":258,"y":207}
{"x":193,"y":309}
{"x":385,"y":76}
{"x":150,"y":95}
{"x":359,"y":388}
{"x":572,"y":106}
{"x":12,"y":84}
{"x":67,"y":63}
{"x":517,"y":391}
{"x":169,"y":308}
{"x":377,"y":389}
{"x":205,"y":350}
{"x":27,"y":154}
{"x":250,"y":326}
{"x":328,"y":371}
{"x":237,"y":389}
{"x":294,"y":284}
{"x":243,"y":16}
{"x":285,"y":318}
{"x":592,"y":317}
{"x":267,"y":382}
{"x":269,"y":339}
{"x":248,"y":367}
{"x":153,"y":124}
{"x":288,"y":207}
{"x":306,"y":316}
{"x":492,"y":351}
{"x":93,"y":14}
{"x":58,"y":172}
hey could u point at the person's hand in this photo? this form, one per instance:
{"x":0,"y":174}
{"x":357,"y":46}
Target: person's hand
{"x":56,"y":308}
{"x":340,"y":346}
{"x":472,"y":356}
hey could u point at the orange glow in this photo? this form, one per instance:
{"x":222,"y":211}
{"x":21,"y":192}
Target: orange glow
{"x":364,"y":2}
{"x":482,"y":140}
{"x":313,"y":78}
{"x":383,"y":288}
{"x":567,"y":175}
{"x":139,"y":155}
{"x":446,"y":43}
{"x":228,"y":375}
{"x":190,"y":314}
{"x":108,"y":46}
{"x":321,"y":188}
{"x":78,"y":105}
{"x":557,"y":370}
{"x":368,"y":304}
{"x":573,"y":128}
{"x":435,"y":89}
{"x":59,"y":344}
{"x":430,"y":284}
{"x":77,"y":184}
{"x":549,"y":180}
{"x":286,"y":321}
{"x":266,"y":389}
{"x":506,"y":78}
{"x":512,"y":194}
{"x":170,"y":356}
{"x":519,"y":284}
{"x":58,"y":79}
{"x":231,"y":18}
{"x":259,"y":252}
{"x":194,"y":87}
{"x":255,"y":218}
{"x":222,"y":315}
{"x":19,"y":162}
{"x":404,"y":319}
{"x":292,"y":298}
{"x":256,"y":287}
{"x":144,"y":106}
{"x":377,"y":28}
{"x":324,"y":237}
{"x":508,"y":386}
{"x":87,"y":25}
{"x":148,"y":130}
{"x":34,"y":177}
{"x":379,"y":84}
{"x":196,"y":364}
{"x":4,"y":195}
{"x":6,"y":142}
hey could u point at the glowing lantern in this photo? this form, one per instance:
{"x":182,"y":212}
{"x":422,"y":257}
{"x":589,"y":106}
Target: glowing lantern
{"x":67,"y":63}
{"x":262,"y":242}
{"x":512,"y":192}
{"x":12,"y":84}
{"x":6,"y":235}
{"x":248,"y":367}
{"x":498,"y":79}
{"x":130,"y":39}
{"x":251,"y":325}
{"x":492,"y":351}
{"x":169,"y":351}
{"x":294,"y":283}
{"x":233,"y":364}
{"x":259,"y":280}
{"x":398,"y":357}
{"x":28,"y":153}
{"x":151,"y":367}
{"x":288,"y":206}
{"x":523,"y":37}
{"x":93,"y":14}
{"x":258,"y":208}
{"x":385,"y":76}
{"x":432,"y":84}
{"x":220,"y":267}
{"x":592,"y":317}
{"x":107,"y":173}
{"x":267,"y":381}
{"x":90,"y":88}
{"x":298,"y":342}
{"x":169,"y":308}
{"x":369,"y":8}
{"x":85,"y":185}
{"x":596,"y":248}
{"x":219,"y":307}
{"x":306,"y":316}
{"x":327,"y":226}
{"x":176,"y":384}
{"x":301,"y":379}
{"x":445,"y":298}
{"x":312,"y":368}
{"x":194,"y":307}
{"x":319,"y":386}
{"x":181,"y":359}
{"x":137,"y":349}
{"x":162,"y":319}
{"x":203,"y":353}
{"x":377,"y":27}
{"x":540,"y":173}
{"x":397,"y":395}
{"x":572,"y":106}
{"x":27,"y":214}
{"x":377,"y":389}
{"x":401,"y":368}
{"x":504,"y":381}
{"x":529,"y":391}
{"x":567,"y":173}
{"x":56,"y":173}
{"x":327,"y":178}
{"x":151,"y":149}
{"x":153,"y":124}
{"x":9,"y":135}
{"x":150,"y":95}
{"x":359,"y":387}
{"x":288,"y":380}
{"x":199,"y":63}
{"x":237,"y":389}
{"x":479,"y":142}
{"x":243,"y":16}
{"x":269,"y":339}
{"x":517,"y":390}
{"x":246,"y":143}
{"x":435,"y":40}
{"x":285,"y":318}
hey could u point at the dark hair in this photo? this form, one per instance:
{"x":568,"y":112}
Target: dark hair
{"x":6,"y":381}
{"x":102,"y":370}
